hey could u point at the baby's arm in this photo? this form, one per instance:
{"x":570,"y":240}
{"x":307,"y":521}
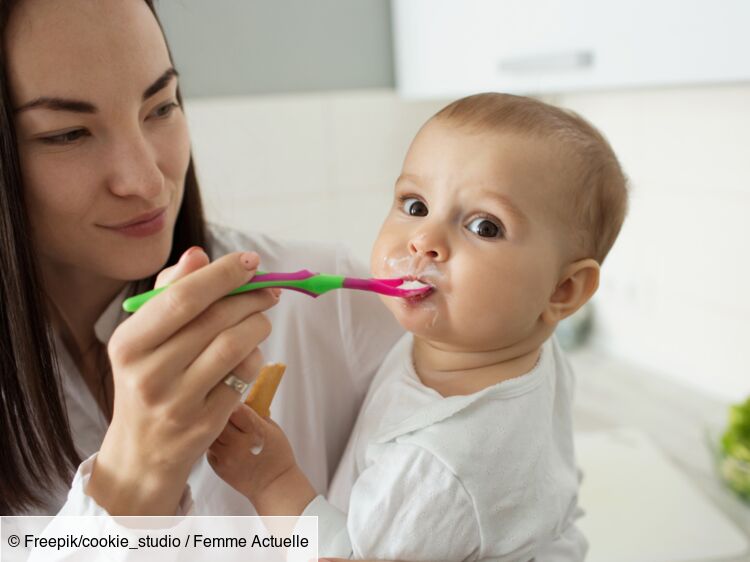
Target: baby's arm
{"x":405,"y":506}
{"x":253,"y":456}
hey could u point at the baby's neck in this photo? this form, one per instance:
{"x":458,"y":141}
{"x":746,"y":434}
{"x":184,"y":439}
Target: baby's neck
{"x":454,"y":372}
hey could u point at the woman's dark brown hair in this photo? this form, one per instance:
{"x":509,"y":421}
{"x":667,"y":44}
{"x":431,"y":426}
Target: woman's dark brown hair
{"x":37,"y":455}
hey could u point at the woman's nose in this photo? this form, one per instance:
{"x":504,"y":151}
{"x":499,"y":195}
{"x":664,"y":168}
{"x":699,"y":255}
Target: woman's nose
{"x":429,"y":244}
{"x":136,"y":170}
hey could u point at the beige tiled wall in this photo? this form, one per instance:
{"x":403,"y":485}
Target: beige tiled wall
{"x":674,"y":294}
{"x":317,"y":166}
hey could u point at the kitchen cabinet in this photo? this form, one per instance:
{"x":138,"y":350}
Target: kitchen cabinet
{"x":448,"y":48}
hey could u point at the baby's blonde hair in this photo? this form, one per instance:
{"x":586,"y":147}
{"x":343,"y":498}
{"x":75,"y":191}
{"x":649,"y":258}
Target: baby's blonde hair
{"x":595,"y":186}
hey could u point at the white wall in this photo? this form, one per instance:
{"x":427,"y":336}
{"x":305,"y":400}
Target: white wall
{"x":675,"y":289}
{"x":674,"y":295}
{"x":304,"y":166}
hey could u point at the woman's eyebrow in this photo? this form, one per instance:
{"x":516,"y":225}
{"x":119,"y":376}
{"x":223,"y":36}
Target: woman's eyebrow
{"x":160,"y":83}
{"x":58,"y":104}
{"x":78,"y":106}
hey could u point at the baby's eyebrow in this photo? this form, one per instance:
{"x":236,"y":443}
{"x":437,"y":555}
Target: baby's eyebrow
{"x":408,"y":177}
{"x":506,"y":203}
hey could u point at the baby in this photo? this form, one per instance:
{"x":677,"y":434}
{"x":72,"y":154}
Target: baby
{"x":463,"y":449}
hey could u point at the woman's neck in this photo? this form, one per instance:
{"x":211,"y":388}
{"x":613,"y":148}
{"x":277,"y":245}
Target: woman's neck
{"x":77,"y":300}
{"x":454,"y":372}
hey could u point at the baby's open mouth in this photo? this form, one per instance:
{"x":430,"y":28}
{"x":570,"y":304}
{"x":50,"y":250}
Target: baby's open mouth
{"x":420,"y":288}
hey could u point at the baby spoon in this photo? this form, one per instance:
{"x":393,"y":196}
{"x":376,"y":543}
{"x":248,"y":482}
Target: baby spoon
{"x":305,"y":281}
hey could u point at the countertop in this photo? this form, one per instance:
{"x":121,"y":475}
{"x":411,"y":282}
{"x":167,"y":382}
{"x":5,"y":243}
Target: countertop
{"x":613,"y":393}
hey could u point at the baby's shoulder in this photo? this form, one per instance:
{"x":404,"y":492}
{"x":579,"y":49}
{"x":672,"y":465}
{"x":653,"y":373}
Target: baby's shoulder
{"x":520,"y":426}
{"x":483,"y":431}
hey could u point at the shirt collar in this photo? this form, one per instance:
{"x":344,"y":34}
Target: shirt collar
{"x":111,"y":317}
{"x":444,"y":408}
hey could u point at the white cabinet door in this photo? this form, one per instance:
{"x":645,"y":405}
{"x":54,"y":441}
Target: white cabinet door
{"x":446,"y":48}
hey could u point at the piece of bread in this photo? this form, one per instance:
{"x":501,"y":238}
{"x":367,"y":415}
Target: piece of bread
{"x":263,"y":389}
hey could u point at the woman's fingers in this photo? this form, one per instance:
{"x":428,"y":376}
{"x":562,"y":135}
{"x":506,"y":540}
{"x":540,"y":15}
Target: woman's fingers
{"x":185,"y":347}
{"x":194,"y":258}
{"x":221,"y":357}
{"x":169,"y":360}
{"x":183,"y":301}
{"x":180,"y":347}
{"x":250,"y":366}
{"x":208,"y":379}
{"x":227,"y":351}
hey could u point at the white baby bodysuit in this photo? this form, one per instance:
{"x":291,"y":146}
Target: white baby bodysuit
{"x":490,"y":475}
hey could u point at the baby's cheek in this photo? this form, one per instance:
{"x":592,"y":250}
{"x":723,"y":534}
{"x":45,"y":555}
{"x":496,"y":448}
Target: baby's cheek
{"x":379,"y":253}
{"x":377,"y":261}
{"x":495,"y":311}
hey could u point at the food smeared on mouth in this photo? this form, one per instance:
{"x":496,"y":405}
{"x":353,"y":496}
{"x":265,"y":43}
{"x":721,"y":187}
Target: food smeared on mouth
{"x":420,"y":289}
{"x":410,"y":284}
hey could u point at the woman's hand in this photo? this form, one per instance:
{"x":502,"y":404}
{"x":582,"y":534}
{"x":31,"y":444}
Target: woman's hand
{"x":168,"y":363}
{"x":254,"y":456}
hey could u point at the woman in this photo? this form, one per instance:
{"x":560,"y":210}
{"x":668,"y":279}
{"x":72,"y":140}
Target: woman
{"x":98,"y":194}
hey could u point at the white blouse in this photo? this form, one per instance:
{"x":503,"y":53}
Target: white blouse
{"x":332,"y":347}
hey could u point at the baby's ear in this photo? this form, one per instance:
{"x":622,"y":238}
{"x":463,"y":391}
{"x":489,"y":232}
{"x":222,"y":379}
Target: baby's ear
{"x":577,"y":284}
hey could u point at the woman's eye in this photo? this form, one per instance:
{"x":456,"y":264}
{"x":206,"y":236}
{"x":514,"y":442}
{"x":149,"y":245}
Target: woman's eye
{"x":165,"y":110}
{"x":485,"y":228}
{"x":65,"y":138}
{"x":414,"y":207}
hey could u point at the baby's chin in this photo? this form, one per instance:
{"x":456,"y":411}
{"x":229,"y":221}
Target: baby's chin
{"x":422,"y":319}
{"x":439,"y":334}
{"x":437,"y":327}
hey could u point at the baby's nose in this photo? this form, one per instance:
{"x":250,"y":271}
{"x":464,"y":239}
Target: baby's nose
{"x":431,"y":247}
{"x":415,"y":250}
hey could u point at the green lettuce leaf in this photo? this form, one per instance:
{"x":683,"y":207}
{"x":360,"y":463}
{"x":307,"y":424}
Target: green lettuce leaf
{"x":735,"y":444}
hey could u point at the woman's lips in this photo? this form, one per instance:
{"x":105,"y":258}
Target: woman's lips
{"x":145,"y":225}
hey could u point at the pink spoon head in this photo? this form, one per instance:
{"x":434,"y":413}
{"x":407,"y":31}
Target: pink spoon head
{"x":389,"y":287}
{"x":394,"y":282}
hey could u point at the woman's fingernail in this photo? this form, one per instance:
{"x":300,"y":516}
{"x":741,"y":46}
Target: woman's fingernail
{"x":276,"y":292}
{"x":189,"y":251}
{"x":250,"y":260}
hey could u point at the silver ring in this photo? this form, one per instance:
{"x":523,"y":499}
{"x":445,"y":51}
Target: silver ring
{"x":236,"y":383}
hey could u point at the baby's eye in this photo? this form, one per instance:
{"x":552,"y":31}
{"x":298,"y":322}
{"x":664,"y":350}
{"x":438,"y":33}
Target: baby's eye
{"x":414,"y":207}
{"x":485,"y":228}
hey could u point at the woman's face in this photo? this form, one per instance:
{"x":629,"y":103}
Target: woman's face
{"x":103,"y":144}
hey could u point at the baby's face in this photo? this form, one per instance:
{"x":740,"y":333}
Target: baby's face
{"x":473,"y":217}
